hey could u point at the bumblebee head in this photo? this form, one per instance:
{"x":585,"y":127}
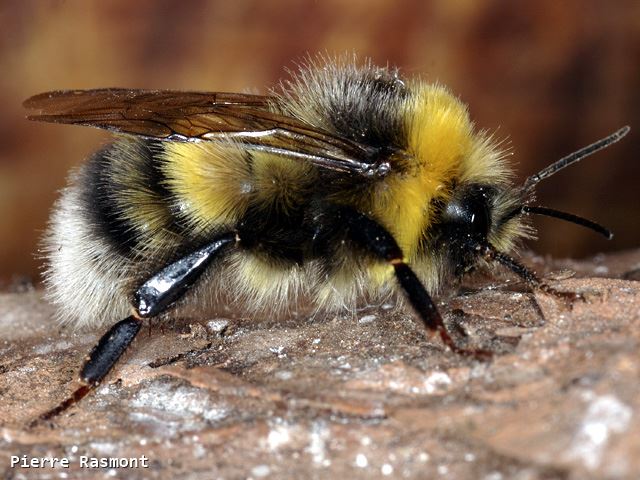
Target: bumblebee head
{"x":473,"y":216}
{"x":485,"y":220}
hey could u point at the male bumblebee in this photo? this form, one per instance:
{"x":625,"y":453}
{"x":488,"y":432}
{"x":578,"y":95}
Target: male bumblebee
{"x":346,"y":183}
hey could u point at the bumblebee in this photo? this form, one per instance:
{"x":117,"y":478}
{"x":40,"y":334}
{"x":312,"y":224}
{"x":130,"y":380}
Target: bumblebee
{"x":346,"y":183}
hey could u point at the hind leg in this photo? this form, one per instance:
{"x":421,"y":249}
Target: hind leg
{"x":152,"y":298}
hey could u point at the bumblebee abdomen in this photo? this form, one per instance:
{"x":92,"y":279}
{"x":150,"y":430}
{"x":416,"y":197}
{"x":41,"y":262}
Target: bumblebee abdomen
{"x":122,"y":194}
{"x":264,"y":197}
{"x":138,"y":204}
{"x":149,"y":196}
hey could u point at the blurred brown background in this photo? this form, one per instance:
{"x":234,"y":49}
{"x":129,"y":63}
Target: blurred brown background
{"x":549,"y":76}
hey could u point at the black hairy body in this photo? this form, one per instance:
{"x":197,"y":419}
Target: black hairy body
{"x":344,"y":184}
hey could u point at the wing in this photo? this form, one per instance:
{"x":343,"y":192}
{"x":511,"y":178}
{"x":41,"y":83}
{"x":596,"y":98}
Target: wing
{"x":201,"y":116}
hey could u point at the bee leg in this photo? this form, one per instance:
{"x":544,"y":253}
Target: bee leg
{"x":101,"y":359}
{"x":374,"y":238}
{"x":490,"y":253}
{"x":152,"y":298}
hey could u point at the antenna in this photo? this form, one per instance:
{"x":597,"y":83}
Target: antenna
{"x":575,"y":157}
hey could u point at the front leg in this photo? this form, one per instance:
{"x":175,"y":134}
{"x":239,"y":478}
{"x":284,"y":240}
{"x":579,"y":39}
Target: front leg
{"x":151,"y":299}
{"x":375,"y":239}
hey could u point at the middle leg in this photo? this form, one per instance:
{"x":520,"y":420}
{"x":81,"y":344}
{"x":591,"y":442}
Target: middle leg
{"x":376,"y":240}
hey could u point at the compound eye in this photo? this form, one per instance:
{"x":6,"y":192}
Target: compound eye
{"x":478,"y":208}
{"x":470,"y":213}
{"x":479,"y":216}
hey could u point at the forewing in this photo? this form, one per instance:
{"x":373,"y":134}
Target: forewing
{"x":203,"y":116}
